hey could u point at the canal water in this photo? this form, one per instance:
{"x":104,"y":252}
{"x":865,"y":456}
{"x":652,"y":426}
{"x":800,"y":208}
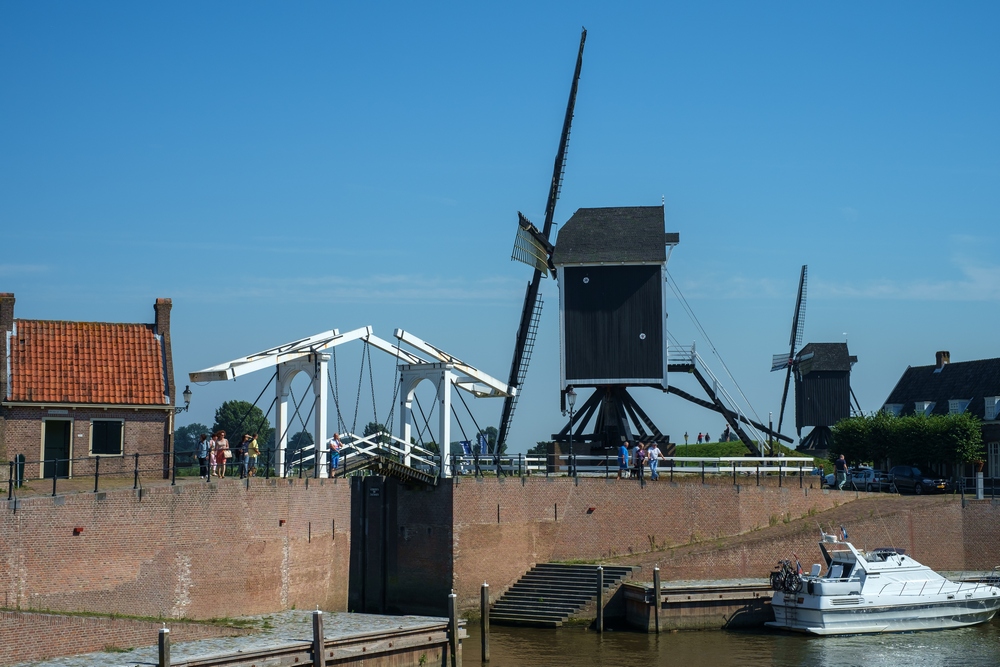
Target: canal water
{"x":977,"y":646}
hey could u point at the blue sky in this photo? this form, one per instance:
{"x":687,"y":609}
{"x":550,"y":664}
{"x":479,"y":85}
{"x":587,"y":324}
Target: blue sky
{"x":280,"y":169}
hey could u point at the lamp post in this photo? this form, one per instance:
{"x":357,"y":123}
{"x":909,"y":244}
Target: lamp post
{"x":571,"y":400}
{"x":187,"y":401}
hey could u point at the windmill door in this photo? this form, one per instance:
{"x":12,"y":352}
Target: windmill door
{"x":56,"y":447}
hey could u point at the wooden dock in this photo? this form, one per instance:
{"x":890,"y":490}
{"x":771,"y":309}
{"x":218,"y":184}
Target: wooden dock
{"x":699,"y":605}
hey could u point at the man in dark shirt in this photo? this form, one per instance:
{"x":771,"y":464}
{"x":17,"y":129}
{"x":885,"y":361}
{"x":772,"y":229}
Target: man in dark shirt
{"x":840,"y":472}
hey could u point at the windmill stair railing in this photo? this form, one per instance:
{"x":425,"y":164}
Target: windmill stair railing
{"x":385,"y":454}
{"x":550,"y":594}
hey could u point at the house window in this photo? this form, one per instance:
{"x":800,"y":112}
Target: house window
{"x":893,"y":408}
{"x":993,"y":458}
{"x":923,"y":407}
{"x":957,"y":406}
{"x":106,"y":437}
{"x":992,"y":407}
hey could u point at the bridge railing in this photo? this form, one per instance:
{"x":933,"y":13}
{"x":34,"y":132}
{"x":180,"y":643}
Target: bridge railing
{"x":360,"y":447}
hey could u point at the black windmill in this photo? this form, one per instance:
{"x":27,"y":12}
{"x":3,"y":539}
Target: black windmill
{"x":611,"y":265}
{"x":822,"y":373}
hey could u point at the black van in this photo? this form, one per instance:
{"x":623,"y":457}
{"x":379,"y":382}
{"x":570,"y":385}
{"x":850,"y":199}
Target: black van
{"x":909,"y":479}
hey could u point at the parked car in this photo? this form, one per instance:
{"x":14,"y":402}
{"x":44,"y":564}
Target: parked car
{"x":909,"y":479}
{"x":867,"y":479}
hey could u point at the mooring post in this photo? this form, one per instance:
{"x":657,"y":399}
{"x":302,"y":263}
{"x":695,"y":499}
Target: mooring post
{"x":600,"y":599}
{"x":135,"y":477}
{"x":453,"y":645}
{"x":318,"y":659}
{"x":10,"y":482}
{"x":656,"y":597}
{"x":97,"y":472}
{"x":484,"y":612}
{"x":55,"y":474}
{"x":758,"y":473}
{"x":164,"y":647}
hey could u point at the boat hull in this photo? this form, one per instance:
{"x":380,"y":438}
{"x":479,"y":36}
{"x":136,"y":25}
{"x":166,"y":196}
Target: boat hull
{"x":870,"y":619}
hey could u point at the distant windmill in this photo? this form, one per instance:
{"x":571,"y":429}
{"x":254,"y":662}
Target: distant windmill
{"x":822,"y":380}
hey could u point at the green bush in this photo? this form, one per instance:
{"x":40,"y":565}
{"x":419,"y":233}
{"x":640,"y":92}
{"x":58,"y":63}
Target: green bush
{"x":920,"y":439}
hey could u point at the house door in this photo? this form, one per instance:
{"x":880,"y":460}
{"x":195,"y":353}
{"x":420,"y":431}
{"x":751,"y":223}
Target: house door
{"x":56,"y":439}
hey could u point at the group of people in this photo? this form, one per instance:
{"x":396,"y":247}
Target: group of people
{"x":632,"y":462}
{"x":215,"y":455}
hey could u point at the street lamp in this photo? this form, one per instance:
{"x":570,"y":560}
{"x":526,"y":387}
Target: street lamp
{"x":770,"y":429}
{"x":187,"y":401}
{"x":571,"y":400}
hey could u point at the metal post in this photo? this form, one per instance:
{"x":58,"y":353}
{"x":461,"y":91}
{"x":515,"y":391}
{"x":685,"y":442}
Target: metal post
{"x":453,"y":646}
{"x":779,"y":474}
{"x":97,"y":472}
{"x":10,"y":482}
{"x":702,"y":472}
{"x":733,"y":463}
{"x":484,"y":612}
{"x":318,"y":658}
{"x":672,"y":469}
{"x":267,"y":464}
{"x":173,"y":474}
{"x":55,"y":474}
{"x":607,"y":466}
{"x":600,"y":599}
{"x":801,"y":480}
{"x":656,"y":597}
{"x":135,"y":474}
{"x":164,"y":646}
{"x":758,"y":473}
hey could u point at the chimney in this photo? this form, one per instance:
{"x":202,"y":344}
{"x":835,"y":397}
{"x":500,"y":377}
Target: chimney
{"x":6,"y":324}
{"x":6,"y":311}
{"x":942,"y":358}
{"x":162,"y":327}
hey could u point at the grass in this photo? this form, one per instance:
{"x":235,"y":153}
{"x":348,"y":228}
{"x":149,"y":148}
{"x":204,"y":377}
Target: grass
{"x":225,"y":621}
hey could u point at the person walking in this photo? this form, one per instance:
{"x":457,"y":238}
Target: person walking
{"x":699,"y":437}
{"x":654,"y":454}
{"x":840,"y":472}
{"x":202,"y":453}
{"x":622,"y":459}
{"x":639,"y":459}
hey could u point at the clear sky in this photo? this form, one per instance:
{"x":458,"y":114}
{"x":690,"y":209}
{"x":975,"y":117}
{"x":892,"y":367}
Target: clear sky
{"x":279,"y":169}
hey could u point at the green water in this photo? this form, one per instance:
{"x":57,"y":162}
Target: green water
{"x":977,"y":646}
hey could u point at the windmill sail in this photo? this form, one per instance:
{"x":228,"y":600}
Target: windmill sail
{"x":531,"y":312}
{"x":794,"y":339}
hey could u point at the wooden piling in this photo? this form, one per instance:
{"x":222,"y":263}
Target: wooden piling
{"x":164,"y":648}
{"x":484,"y":610}
{"x":318,"y":658}
{"x":453,"y":645}
{"x":600,"y":599}
{"x":656,"y":597}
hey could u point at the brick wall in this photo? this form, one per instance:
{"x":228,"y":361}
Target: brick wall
{"x":190,"y":551}
{"x":543,"y":519}
{"x":145,"y":432}
{"x":29,"y":636}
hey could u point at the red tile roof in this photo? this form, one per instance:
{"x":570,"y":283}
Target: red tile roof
{"x":86,"y":362}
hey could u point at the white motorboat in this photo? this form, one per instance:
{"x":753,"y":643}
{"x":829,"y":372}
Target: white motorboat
{"x":883,"y":590}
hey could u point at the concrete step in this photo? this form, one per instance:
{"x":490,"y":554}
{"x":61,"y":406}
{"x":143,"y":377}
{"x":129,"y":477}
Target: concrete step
{"x":551,"y":593}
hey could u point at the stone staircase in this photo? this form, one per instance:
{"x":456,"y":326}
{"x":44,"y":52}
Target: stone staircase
{"x":550,"y":594}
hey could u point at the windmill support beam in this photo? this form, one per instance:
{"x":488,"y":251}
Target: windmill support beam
{"x":711,"y":406}
{"x":731,"y":417}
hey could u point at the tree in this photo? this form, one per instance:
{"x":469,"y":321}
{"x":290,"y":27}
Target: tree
{"x":239,"y":417}
{"x":541,"y":448}
{"x":186,"y":437}
{"x":952,"y":439}
{"x":371,"y":428}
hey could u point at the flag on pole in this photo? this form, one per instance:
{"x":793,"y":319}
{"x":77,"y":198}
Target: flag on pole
{"x":843,"y":533}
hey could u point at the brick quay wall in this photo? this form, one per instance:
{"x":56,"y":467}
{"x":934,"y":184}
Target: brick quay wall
{"x":186,"y":551}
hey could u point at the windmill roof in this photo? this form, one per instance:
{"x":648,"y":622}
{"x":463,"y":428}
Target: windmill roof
{"x":963,"y":380}
{"x":613,"y":234}
{"x":86,"y":362}
{"x":826,"y":357}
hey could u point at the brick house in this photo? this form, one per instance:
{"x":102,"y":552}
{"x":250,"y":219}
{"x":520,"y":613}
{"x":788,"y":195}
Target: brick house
{"x":945,"y":387}
{"x":73,"y":392}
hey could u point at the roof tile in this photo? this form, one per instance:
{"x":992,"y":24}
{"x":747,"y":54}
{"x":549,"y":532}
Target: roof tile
{"x":86,"y":362}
